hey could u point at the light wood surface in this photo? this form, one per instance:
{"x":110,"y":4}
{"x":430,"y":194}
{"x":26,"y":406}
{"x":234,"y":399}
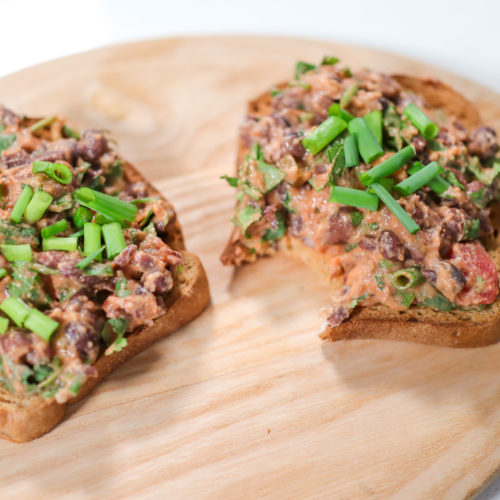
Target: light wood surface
{"x":246,"y":401}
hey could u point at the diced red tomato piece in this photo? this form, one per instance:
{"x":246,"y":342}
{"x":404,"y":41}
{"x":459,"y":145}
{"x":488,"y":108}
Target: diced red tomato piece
{"x":480,"y":272}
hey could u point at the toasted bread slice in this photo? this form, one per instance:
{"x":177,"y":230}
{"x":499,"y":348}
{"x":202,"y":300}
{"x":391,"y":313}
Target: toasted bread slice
{"x":28,"y":417}
{"x":423,"y":325}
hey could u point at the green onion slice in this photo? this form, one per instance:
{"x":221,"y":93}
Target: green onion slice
{"x":347,"y":96}
{"x":3,"y":272}
{"x":57,"y":171}
{"x":113,"y":239}
{"x":395,"y":208}
{"x":351,"y":151}
{"x":106,"y":205}
{"x":354,"y":198}
{"x":91,"y":238}
{"x":37,"y":206}
{"x":20,"y":253}
{"x":41,"y":324}
{"x":374,"y":122}
{"x":421,"y":121}
{"x":387,"y":167}
{"x":44,"y":122}
{"x":68,"y":244}
{"x":81,"y":216}
{"x":323,"y":134}
{"x":15,"y":309}
{"x":437,"y":184}
{"x":22,"y":202}
{"x":368,"y":146}
{"x":417,"y":180}
{"x":54,"y":229}
{"x":406,"y":278}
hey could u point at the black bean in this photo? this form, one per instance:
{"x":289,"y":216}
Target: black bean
{"x":391,"y":247}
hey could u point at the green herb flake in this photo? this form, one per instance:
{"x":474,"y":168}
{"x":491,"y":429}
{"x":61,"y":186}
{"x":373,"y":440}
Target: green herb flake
{"x":274,"y":92}
{"x":329,"y":60}
{"x":439,"y":302}
{"x":471,"y":229}
{"x":6,"y":141}
{"x":359,"y":299}
{"x":121,"y":288}
{"x":272,"y":175}
{"x":287,"y":202}
{"x":350,"y":247}
{"x":272,"y":234}
{"x":232,"y":181}
{"x":452,"y":178}
{"x":247,"y":216}
{"x":302,"y":67}
{"x":380,"y":281}
{"x":70,"y":133}
{"x":406,"y":298}
{"x":356,"y":218}
{"x":374,"y":226}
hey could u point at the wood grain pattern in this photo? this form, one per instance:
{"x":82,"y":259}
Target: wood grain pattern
{"x":246,"y":401}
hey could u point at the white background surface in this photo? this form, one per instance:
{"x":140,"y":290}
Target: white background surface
{"x":462,"y":36}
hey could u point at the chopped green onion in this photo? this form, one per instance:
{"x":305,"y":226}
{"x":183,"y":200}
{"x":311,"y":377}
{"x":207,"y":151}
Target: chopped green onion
{"x":71,"y":133}
{"x":90,"y":258}
{"x":347,"y":96}
{"x":374,"y":122}
{"x":4,"y":324}
{"x":68,"y":244}
{"x":37,"y":206}
{"x":41,"y":324}
{"x":109,"y":206}
{"x":395,"y":208}
{"x":323,"y":134}
{"x":91,"y":238}
{"x":387,"y":167}
{"x":421,"y":178}
{"x":406,"y":278}
{"x":57,"y":171}
{"x":3,"y":272}
{"x":20,"y":253}
{"x":387,"y":182}
{"x":44,"y":122}
{"x":114,"y":239}
{"x":81,"y":216}
{"x":302,"y":67}
{"x":351,"y":151}
{"x":22,"y":202}
{"x":354,"y":198}
{"x":15,"y":309}
{"x":368,"y":146}
{"x":102,"y":219}
{"x":336,"y":110}
{"x":421,"y":121}
{"x":437,"y":184}
{"x":54,"y":229}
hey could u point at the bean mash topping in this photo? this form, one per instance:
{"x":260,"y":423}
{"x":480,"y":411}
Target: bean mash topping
{"x":394,"y":197}
{"x":83,"y":255}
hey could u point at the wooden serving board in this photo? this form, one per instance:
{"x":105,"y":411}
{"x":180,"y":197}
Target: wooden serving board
{"x":246,"y":401}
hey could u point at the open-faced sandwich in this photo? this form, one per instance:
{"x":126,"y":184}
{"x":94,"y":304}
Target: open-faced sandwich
{"x":93,"y":269}
{"x":386,"y":185}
